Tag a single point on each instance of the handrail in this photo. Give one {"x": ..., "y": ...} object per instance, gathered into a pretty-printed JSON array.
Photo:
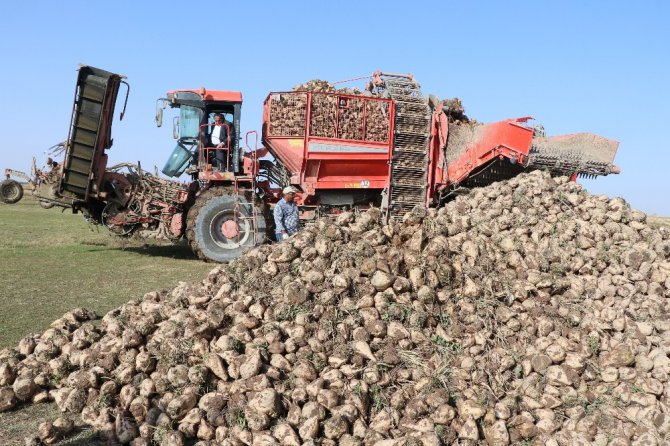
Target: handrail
[{"x": 206, "y": 149}]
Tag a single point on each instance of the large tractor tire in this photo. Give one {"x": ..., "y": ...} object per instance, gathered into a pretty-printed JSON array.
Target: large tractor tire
[
  {"x": 10, "y": 191},
  {"x": 213, "y": 231}
]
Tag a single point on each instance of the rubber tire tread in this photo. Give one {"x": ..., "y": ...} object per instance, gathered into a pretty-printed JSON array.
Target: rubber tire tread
[
  {"x": 201, "y": 201},
  {"x": 13, "y": 198}
]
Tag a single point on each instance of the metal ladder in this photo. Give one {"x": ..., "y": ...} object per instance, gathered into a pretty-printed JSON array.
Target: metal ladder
[
  {"x": 251, "y": 208},
  {"x": 409, "y": 168}
]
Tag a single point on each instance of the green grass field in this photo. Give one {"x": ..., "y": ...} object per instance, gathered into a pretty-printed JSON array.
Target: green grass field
[{"x": 53, "y": 261}]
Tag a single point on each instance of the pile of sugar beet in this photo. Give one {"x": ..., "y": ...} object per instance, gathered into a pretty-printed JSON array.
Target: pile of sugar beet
[{"x": 528, "y": 312}]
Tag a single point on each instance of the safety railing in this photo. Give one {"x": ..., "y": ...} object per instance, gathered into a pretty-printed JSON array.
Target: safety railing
[
  {"x": 329, "y": 115},
  {"x": 208, "y": 153}
]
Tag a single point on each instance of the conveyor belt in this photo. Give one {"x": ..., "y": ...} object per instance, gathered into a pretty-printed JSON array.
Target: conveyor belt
[
  {"x": 410, "y": 144},
  {"x": 91, "y": 122}
]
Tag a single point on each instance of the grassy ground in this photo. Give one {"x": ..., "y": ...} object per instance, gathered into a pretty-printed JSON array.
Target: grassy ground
[{"x": 52, "y": 262}]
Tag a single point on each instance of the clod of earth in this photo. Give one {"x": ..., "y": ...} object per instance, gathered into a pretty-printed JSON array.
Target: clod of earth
[{"x": 527, "y": 312}]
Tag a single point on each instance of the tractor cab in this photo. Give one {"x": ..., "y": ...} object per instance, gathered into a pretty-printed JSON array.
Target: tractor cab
[{"x": 207, "y": 131}]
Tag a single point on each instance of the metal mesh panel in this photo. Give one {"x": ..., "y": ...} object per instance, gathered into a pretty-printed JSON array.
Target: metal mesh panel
[
  {"x": 331, "y": 116},
  {"x": 287, "y": 114},
  {"x": 377, "y": 122},
  {"x": 324, "y": 109},
  {"x": 350, "y": 125}
]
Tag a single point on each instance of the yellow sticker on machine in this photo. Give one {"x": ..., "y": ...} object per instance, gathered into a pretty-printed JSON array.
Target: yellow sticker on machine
[
  {"x": 296, "y": 142},
  {"x": 364, "y": 184}
]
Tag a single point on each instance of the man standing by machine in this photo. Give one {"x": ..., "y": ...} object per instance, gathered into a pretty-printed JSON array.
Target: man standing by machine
[
  {"x": 287, "y": 222},
  {"x": 218, "y": 138}
]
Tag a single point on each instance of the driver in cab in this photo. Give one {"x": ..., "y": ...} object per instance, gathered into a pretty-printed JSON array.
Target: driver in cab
[{"x": 218, "y": 137}]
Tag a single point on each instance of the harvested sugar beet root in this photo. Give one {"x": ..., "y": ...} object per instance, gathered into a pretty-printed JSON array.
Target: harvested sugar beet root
[{"x": 526, "y": 311}]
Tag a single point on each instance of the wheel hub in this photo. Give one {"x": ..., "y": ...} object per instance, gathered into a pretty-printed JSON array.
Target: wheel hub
[
  {"x": 230, "y": 229},
  {"x": 9, "y": 191},
  {"x": 229, "y": 232}
]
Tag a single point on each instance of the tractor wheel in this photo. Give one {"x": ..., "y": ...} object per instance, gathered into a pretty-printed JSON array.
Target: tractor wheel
[
  {"x": 10, "y": 191},
  {"x": 213, "y": 230}
]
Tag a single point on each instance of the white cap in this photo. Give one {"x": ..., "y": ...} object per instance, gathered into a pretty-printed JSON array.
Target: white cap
[{"x": 289, "y": 190}]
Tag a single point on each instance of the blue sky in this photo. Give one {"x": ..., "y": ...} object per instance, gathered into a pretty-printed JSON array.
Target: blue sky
[{"x": 600, "y": 67}]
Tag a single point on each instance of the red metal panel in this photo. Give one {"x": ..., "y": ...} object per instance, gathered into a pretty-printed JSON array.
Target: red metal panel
[
  {"x": 213, "y": 95},
  {"x": 350, "y": 183},
  {"x": 437, "y": 173},
  {"x": 343, "y": 170},
  {"x": 290, "y": 151},
  {"x": 308, "y": 115},
  {"x": 507, "y": 138},
  {"x": 351, "y": 158}
]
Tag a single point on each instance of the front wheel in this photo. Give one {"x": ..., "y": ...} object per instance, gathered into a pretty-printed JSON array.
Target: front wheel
[
  {"x": 10, "y": 191},
  {"x": 221, "y": 225}
]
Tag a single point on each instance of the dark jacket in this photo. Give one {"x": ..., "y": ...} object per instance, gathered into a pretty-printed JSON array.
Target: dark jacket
[{"x": 224, "y": 133}]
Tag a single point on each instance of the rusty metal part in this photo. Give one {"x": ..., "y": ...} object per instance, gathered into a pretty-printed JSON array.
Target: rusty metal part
[
  {"x": 44, "y": 182},
  {"x": 15, "y": 173},
  {"x": 142, "y": 203}
]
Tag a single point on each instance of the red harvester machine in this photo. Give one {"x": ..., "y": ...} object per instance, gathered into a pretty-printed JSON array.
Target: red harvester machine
[{"x": 390, "y": 147}]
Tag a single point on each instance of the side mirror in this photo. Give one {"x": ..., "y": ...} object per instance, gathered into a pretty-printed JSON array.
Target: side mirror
[
  {"x": 159, "y": 117},
  {"x": 160, "y": 106},
  {"x": 175, "y": 127}
]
